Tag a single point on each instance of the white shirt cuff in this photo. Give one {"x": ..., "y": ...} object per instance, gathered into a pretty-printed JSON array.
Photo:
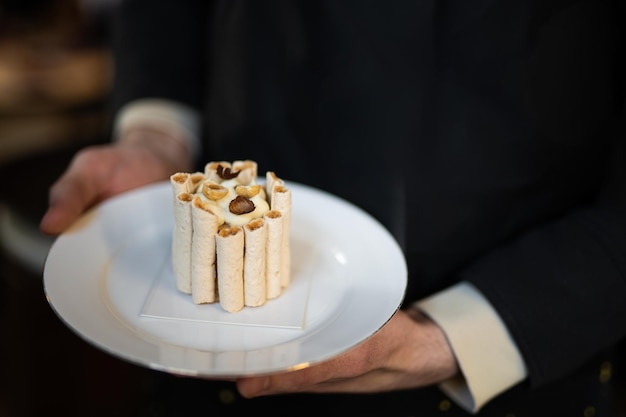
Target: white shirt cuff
[
  {"x": 161, "y": 114},
  {"x": 488, "y": 358}
]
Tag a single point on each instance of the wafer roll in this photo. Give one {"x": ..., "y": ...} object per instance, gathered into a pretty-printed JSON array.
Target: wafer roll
[
  {"x": 181, "y": 242},
  {"x": 180, "y": 183},
  {"x": 210, "y": 170},
  {"x": 185, "y": 182},
  {"x": 203, "y": 272},
  {"x": 245, "y": 164},
  {"x": 281, "y": 201},
  {"x": 247, "y": 170},
  {"x": 255, "y": 287},
  {"x": 195, "y": 179},
  {"x": 230, "y": 247},
  {"x": 273, "y": 248},
  {"x": 271, "y": 180}
]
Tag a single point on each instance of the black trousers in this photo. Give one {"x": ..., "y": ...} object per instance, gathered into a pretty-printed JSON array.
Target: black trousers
[{"x": 591, "y": 392}]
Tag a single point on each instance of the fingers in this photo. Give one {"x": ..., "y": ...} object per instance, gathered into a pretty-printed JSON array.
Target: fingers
[
  {"x": 405, "y": 353},
  {"x": 100, "y": 172},
  {"x": 83, "y": 184},
  {"x": 69, "y": 197},
  {"x": 342, "y": 374},
  {"x": 301, "y": 381},
  {"x": 254, "y": 387}
]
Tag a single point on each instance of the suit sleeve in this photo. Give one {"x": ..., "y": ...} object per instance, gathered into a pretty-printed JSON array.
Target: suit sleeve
[{"x": 561, "y": 288}]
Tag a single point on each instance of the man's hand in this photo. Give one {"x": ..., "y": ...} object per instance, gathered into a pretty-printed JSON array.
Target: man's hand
[
  {"x": 100, "y": 172},
  {"x": 410, "y": 351}
]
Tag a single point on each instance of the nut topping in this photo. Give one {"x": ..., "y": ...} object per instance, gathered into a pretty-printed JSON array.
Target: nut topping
[
  {"x": 248, "y": 191},
  {"x": 213, "y": 191},
  {"x": 241, "y": 205},
  {"x": 226, "y": 173}
]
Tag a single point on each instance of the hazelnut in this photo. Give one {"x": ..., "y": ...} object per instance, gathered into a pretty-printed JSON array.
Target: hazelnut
[
  {"x": 248, "y": 191},
  {"x": 241, "y": 205},
  {"x": 213, "y": 191}
]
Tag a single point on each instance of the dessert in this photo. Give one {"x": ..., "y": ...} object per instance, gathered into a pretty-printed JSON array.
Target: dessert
[{"x": 230, "y": 242}]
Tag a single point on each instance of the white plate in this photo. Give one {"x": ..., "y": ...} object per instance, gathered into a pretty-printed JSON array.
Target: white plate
[{"x": 109, "y": 279}]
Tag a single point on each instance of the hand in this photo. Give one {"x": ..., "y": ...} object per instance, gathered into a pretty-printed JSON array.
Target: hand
[
  {"x": 410, "y": 351},
  {"x": 100, "y": 172}
]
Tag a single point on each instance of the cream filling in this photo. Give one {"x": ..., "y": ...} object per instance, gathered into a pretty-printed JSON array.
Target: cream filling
[{"x": 221, "y": 210}]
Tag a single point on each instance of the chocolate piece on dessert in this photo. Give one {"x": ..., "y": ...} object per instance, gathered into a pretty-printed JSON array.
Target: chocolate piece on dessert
[{"x": 241, "y": 205}]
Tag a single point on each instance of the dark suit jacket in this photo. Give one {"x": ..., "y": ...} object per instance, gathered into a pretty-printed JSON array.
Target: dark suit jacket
[{"x": 486, "y": 135}]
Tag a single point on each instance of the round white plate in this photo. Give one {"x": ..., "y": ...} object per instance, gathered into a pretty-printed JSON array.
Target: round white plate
[{"x": 109, "y": 279}]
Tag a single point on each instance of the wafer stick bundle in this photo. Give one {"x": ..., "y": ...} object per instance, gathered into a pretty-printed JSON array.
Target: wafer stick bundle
[{"x": 230, "y": 242}]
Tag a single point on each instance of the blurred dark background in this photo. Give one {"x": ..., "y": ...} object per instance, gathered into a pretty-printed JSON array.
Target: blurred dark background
[{"x": 55, "y": 75}]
